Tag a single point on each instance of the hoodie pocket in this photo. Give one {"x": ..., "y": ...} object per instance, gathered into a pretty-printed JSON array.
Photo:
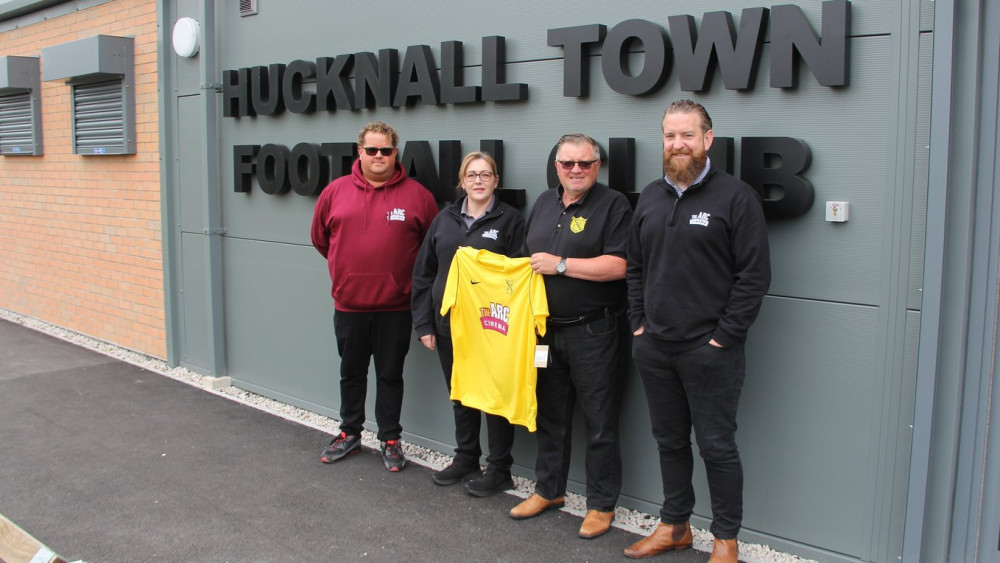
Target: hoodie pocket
[{"x": 369, "y": 291}]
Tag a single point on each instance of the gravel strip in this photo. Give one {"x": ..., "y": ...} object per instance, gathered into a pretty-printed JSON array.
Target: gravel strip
[{"x": 626, "y": 519}]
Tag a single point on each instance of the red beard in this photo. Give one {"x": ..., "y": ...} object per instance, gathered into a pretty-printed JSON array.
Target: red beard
[{"x": 683, "y": 173}]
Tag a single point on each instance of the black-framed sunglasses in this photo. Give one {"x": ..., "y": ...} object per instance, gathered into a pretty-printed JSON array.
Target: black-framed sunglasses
[
  {"x": 568, "y": 165},
  {"x": 372, "y": 151}
]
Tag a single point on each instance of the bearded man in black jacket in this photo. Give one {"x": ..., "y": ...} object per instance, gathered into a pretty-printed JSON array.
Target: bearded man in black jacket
[{"x": 698, "y": 269}]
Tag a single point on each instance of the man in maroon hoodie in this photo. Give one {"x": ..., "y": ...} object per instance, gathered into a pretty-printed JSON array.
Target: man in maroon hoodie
[{"x": 369, "y": 226}]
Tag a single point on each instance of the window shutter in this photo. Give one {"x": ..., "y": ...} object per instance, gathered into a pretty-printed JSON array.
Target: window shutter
[
  {"x": 16, "y": 124},
  {"x": 99, "y": 118}
]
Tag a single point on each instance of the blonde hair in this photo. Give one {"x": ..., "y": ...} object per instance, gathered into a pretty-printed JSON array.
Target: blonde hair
[
  {"x": 380, "y": 128},
  {"x": 475, "y": 155}
]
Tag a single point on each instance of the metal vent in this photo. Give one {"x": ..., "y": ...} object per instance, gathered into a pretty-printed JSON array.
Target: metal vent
[
  {"x": 248, "y": 8},
  {"x": 16, "y": 125},
  {"x": 99, "y": 118}
]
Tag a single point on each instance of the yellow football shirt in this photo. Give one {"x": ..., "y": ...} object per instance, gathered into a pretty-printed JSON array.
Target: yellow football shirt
[{"x": 497, "y": 305}]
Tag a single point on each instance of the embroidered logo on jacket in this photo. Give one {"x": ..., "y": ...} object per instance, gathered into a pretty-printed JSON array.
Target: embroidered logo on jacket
[
  {"x": 700, "y": 219},
  {"x": 492, "y": 233},
  {"x": 396, "y": 214},
  {"x": 495, "y": 317},
  {"x": 577, "y": 224}
]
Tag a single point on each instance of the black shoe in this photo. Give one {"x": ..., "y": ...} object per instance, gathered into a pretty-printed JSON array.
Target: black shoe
[
  {"x": 490, "y": 483},
  {"x": 339, "y": 447},
  {"x": 455, "y": 473},
  {"x": 392, "y": 455}
]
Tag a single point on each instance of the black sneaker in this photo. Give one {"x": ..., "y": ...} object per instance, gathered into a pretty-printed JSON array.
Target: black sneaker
[
  {"x": 339, "y": 447},
  {"x": 392, "y": 455},
  {"x": 455, "y": 473},
  {"x": 490, "y": 483}
]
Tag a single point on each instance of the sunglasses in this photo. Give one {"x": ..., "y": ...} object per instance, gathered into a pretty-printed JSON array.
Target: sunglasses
[
  {"x": 372, "y": 151},
  {"x": 568, "y": 165}
]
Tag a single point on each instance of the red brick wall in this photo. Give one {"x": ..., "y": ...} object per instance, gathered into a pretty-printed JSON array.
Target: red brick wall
[{"x": 80, "y": 236}]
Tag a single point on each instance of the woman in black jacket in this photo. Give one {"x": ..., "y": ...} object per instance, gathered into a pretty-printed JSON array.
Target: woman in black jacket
[{"x": 479, "y": 220}]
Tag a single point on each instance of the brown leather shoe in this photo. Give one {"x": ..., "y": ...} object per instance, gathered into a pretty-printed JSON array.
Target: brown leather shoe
[
  {"x": 724, "y": 551},
  {"x": 535, "y": 505},
  {"x": 596, "y": 523},
  {"x": 664, "y": 538}
]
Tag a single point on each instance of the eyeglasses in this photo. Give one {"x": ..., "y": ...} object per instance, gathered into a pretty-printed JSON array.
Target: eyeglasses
[
  {"x": 568, "y": 165},
  {"x": 386, "y": 151},
  {"x": 484, "y": 176}
]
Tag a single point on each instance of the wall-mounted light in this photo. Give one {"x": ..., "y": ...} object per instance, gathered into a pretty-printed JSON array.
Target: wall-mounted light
[{"x": 185, "y": 38}]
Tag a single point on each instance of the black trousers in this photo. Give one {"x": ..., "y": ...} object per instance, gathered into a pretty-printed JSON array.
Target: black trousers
[
  {"x": 583, "y": 366},
  {"x": 468, "y": 423},
  {"x": 697, "y": 388},
  {"x": 384, "y": 336}
]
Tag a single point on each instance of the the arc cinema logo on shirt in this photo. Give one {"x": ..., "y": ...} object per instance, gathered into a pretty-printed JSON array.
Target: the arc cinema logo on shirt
[
  {"x": 495, "y": 317},
  {"x": 492, "y": 233},
  {"x": 396, "y": 214},
  {"x": 700, "y": 219}
]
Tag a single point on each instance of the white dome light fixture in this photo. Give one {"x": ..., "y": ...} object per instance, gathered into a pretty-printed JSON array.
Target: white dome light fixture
[{"x": 185, "y": 39}]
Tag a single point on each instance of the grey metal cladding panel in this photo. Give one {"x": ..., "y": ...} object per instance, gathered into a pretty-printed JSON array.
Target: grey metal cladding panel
[
  {"x": 18, "y": 73},
  {"x": 921, "y": 163},
  {"x": 904, "y": 437},
  {"x": 314, "y": 28},
  {"x": 97, "y": 55},
  {"x": 846, "y": 130},
  {"x": 806, "y": 422},
  {"x": 187, "y": 70},
  {"x": 279, "y": 320},
  {"x": 926, "y": 15},
  {"x": 194, "y": 294},
  {"x": 190, "y": 185},
  {"x": 279, "y": 331}
]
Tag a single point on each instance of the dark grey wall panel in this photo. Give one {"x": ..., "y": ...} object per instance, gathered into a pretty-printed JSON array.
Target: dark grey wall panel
[
  {"x": 194, "y": 304},
  {"x": 824, "y": 418},
  {"x": 186, "y": 79},
  {"x": 806, "y": 421},
  {"x": 188, "y": 165},
  {"x": 812, "y": 258}
]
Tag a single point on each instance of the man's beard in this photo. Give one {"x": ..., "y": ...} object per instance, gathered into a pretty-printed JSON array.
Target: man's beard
[{"x": 684, "y": 173}]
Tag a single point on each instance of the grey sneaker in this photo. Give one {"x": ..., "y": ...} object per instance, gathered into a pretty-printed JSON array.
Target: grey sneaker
[
  {"x": 392, "y": 455},
  {"x": 339, "y": 447}
]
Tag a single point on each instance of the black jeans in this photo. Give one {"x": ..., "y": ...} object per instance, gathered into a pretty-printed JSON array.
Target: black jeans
[
  {"x": 361, "y": 336},
  {"x": 468, "y": 423},
  {"x": 584, "y": 366},
  {"x": 699, "y": 388}
]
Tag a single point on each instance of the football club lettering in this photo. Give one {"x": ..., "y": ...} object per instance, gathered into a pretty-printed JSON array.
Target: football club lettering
[{"x": 495, "y": 317}]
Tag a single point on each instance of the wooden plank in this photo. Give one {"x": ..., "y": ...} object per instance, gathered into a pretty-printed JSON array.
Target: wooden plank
[{"x": 18, "y": 546}]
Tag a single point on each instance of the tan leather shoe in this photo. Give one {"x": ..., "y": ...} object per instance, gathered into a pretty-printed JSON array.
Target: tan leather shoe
[
  {"x": 596, "y": 523},
  {"x": 664, "y": 538},
  {"x": 724, "y": 551},
  {"x": 535, "y": 505}
]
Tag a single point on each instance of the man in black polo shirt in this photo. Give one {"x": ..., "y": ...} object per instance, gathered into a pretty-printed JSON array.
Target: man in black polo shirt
[{"x": 577, "y": 236}]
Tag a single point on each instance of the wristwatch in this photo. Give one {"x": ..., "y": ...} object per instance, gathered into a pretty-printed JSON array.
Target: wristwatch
[{"x": 561, "y": 267}]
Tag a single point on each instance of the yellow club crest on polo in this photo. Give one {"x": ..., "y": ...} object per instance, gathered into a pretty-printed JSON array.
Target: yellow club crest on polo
[{"x": 577, "y": 224}]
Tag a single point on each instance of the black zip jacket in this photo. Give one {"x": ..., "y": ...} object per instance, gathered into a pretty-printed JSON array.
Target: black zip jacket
[
  {"x": 699, "y": 264},
  {"x": 500, "y": 230}
]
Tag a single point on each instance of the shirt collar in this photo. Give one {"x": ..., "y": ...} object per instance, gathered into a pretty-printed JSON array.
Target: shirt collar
[
  {"x": 465, "y": 206},
  {"x": 708, "y": 164}
]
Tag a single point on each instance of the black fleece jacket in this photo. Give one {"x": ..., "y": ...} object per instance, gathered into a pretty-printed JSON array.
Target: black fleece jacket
[
  {"x": 500, "y": 230},
  {"x": 699, "y": 264}
]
